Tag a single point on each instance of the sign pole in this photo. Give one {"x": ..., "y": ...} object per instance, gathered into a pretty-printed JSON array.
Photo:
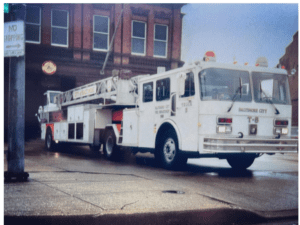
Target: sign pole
[{"x": 16, "y": 109}]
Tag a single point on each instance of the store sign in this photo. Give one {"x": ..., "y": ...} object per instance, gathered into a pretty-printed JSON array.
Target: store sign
[
  {"x": 14, "y": 39},
  {"x": 85, "y": 92},
  {"x": 49, "y": 67}
]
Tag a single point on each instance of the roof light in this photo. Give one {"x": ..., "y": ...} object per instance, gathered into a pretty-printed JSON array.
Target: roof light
[
  {"x": 209, "y": 56},
  {"x": 261, "y": 61}
]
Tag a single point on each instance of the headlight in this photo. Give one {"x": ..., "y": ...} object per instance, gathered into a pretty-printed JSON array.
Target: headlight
[
  {"x": 284, "y": 131},
  {"x": 224, "y": 129},
  {"x": 279, "y": 130}
]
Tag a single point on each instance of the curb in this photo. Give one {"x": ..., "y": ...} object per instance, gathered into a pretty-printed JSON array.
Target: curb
[{"x": 211, "y": 217}]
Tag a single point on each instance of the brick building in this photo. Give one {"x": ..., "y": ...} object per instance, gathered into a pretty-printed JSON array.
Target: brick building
[
  {"x": 290, "y": 61},
  {"x": 76, "y": 37}
]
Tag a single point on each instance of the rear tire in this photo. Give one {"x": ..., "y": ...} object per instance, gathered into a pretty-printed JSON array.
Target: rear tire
[
  {"x": 110, "y": 148},
  {"x": 168, "y": 153},
  {"x": 241, "y": 161},
  {"x": 49, "y": 143}
]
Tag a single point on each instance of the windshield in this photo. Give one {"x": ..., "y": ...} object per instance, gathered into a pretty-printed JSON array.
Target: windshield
[
  {"x": 224, "y": 85},
  {"x": 270, "y": 87}
]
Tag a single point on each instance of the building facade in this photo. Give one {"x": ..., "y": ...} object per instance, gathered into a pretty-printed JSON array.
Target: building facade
[
  {"x": 290, "y": 61},
  {"x": 77, "y": 37}
]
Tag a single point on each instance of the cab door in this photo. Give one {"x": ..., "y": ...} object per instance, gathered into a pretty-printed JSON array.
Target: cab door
[
  {"x": 163, "y": 101},
  {"x": 186, "y": 114},
  {"x": 146, "y": 115}
]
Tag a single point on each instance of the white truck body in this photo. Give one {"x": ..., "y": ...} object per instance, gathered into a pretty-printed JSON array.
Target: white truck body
[{"x": 210, "y": 110}]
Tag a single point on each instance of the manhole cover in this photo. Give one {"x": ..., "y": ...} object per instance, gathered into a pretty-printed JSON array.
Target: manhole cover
[{"x": 173, "y": 192}]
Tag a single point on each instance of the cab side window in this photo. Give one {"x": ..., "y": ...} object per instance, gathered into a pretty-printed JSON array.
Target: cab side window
[
  {"x": 189, "y": 85},
  {"x": 163, "y": 89},
  {"x": 148, "y": 92}
]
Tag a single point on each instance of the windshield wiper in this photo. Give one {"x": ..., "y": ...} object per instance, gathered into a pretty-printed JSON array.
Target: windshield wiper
[
  {"x": 268, "y": 100},
  {"x": 239, "y": 89}
]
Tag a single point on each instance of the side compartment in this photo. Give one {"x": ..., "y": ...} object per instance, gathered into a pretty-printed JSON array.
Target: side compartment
[{"x": 130, "y": 128}]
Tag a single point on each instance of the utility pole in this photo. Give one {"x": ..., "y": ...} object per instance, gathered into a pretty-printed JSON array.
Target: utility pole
[{"x": 16, "y": 106}]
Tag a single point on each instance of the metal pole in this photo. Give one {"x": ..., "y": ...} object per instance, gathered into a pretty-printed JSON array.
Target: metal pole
[
  {"x": 16, "y": 109},
  {"x": 110, "y": 46}
]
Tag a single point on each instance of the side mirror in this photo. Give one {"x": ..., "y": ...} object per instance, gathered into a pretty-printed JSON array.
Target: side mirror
[{"x": 181, "y": 83}]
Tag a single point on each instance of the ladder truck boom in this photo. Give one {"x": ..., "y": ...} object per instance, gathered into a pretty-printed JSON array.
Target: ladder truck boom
[{"x": 118, "y": 91}]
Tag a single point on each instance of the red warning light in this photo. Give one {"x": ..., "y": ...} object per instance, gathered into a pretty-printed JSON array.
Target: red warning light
[
  {"x": 210, "y": 54},
  {"x": 283, "y": 67}
]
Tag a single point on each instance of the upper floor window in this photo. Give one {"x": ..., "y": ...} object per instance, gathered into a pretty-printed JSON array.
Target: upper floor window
[
  {"x": 33, "y": 24},
  {"x": 138, "y": 38},
  {"x": 101, "y": 33},
  {"x": 160, "y": 40},
  {"x": 60, "y": 27},
  {"x": 163, "y": 89}
]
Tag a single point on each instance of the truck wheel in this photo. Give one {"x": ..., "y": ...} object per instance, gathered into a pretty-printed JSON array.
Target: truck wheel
[
  {"x": 49, "y": 144},
  {"x": 241, "y": 161},
  {"x": 169, "y": 154},
  {"x": 110, "y": 148}
]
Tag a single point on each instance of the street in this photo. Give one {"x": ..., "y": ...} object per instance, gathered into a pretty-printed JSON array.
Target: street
[{"x": 269, "y": 188}]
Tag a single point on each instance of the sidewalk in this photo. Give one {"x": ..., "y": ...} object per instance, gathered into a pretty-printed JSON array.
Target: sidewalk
[{"x": 53, "y": 195}]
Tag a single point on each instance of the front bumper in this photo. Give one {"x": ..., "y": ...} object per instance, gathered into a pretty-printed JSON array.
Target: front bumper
[{"x": 217, "y": 144}]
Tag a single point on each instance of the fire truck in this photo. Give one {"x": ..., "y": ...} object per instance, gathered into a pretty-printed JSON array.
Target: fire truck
[{"x": 204, "y": 109}]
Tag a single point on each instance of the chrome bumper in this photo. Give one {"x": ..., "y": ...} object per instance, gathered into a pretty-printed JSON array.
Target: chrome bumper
[{"x": 250, "y": 144}]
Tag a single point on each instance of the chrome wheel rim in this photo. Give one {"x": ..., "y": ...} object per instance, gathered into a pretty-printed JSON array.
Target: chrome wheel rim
[{"x": 169, "y": 150}]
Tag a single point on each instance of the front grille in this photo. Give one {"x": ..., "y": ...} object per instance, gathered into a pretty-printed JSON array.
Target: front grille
[{"x": 216, "y": 144}]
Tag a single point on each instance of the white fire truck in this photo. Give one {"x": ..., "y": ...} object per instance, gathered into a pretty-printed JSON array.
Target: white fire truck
[{"x": 205, "y": 109}]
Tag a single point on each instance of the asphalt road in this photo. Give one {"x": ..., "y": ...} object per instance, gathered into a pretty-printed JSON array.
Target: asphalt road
[{"x": 269, "y": 187}]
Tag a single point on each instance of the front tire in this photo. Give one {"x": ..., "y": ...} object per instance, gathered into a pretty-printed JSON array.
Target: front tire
[
  {"x": 110, "y": 148},
  {"x": 168, "y": 152},
  {"x": 241, "y": 161}
]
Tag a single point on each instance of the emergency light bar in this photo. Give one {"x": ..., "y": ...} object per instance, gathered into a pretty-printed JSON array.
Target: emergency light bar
[
  {"x": 261, "y": 61},
  {"x": 209, "y": 56}
]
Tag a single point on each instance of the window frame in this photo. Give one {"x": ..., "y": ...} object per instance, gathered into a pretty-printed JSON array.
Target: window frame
[
  {"x": 60, "y": 45},
  {"x": 98, "y": 32},
  {"x": 40, "y": 22},
  {"x": 134, "y": 37},
  {"x": 151, "y": 82},
  {"x": 158, "y": 40},
  {"x": 158, "y": 86},
  {"x": 190, "y": 85}
]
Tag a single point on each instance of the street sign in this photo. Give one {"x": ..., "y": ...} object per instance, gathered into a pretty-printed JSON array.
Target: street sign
[{"x": 14, "y": 39}]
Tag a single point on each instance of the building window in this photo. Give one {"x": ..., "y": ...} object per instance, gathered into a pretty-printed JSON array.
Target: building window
[
  {"x": 148, "y": 92},
  {"x": 60, "y": 27},
  {"x": 138, "y": 38},
  {"x": 160, "y": 40},
  {"x": 101, "y": 33},
  {"x": 33, "y": 24},
  {"x": 163, "y": 89}
]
